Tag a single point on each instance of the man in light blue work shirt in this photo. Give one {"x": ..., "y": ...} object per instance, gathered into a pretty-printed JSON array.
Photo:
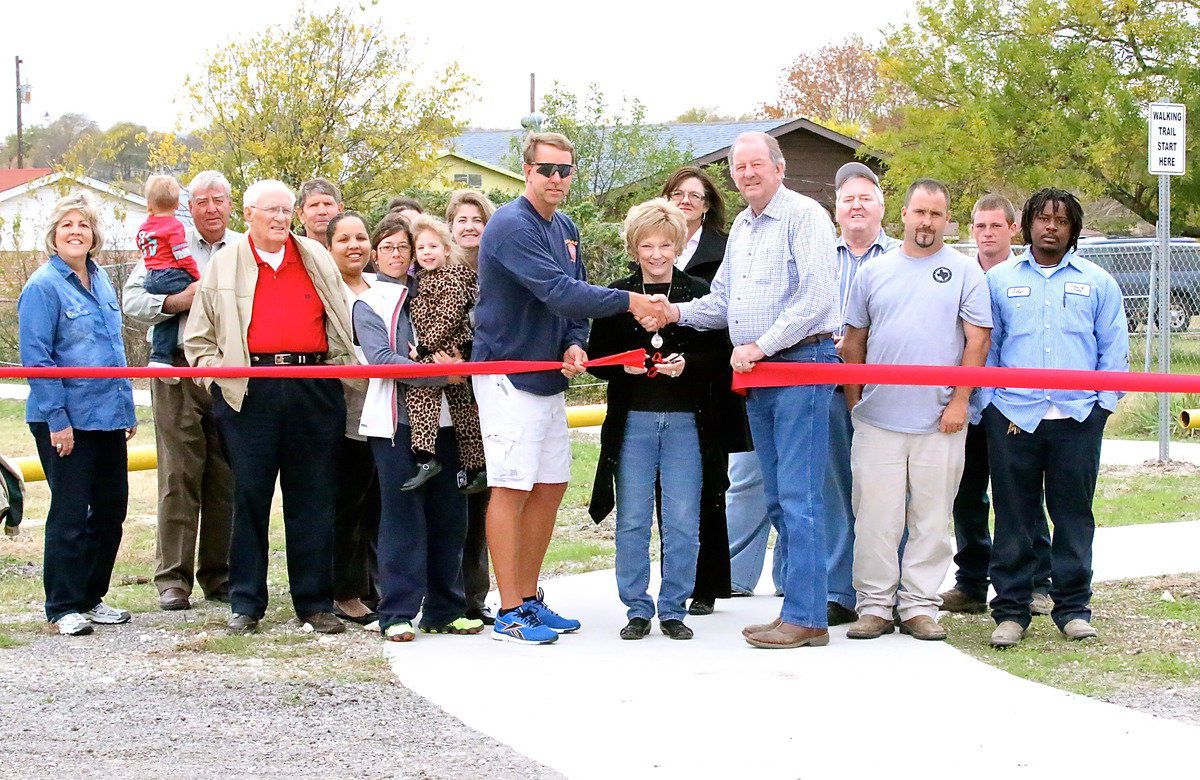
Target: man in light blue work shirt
[{"x": 1052, "y": 309}]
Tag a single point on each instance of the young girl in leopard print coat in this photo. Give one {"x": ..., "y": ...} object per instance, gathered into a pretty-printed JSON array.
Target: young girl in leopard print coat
[{"x": 446, "y": 293}]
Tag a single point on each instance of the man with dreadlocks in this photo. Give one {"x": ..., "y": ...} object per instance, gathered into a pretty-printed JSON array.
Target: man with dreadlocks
[{"x": 1051, "y": 308}]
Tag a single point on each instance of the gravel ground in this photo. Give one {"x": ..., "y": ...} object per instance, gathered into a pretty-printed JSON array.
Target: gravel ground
[{"x": 135, "y": 700}]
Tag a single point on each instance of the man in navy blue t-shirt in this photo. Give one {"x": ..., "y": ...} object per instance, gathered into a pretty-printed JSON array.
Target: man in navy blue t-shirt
[{"x": 534, "y": 304}]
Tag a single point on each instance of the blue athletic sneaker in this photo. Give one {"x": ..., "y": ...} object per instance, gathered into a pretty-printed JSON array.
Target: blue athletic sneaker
[
  {"x": 550, "y": 618},
  {"x": 523, "y": 626}
]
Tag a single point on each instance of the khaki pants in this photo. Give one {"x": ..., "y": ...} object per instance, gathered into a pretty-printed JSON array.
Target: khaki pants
[
  {"x": 195, "y": 490},
  {"x": 903, "y": 480}
]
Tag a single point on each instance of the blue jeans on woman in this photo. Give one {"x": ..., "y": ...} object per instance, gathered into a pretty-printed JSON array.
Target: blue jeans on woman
[{"x": 666, "y": 446}]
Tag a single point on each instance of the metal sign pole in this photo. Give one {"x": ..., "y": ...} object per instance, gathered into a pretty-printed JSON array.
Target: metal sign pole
[{"x": 1163, "y": 233}]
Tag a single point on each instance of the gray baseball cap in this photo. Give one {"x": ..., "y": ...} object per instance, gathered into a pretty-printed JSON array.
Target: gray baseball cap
[{"x": 853, "y": 170}]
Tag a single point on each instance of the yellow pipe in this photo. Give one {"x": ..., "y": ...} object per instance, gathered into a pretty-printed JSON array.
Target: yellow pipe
[
  {"x": 1190, "y": 418},
  {"x": 145, "y": 457}
]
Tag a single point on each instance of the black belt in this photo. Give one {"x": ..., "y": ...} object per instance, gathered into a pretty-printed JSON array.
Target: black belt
[
  {"x": 813, "y": 339},
  {"x": 287, "y": 358}
]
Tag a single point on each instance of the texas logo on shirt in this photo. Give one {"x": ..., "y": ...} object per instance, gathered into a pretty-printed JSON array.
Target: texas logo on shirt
[{"x": 571, "y": 249}]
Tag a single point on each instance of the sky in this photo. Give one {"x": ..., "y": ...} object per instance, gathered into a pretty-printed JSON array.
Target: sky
[{"x": 127, "y": 61}]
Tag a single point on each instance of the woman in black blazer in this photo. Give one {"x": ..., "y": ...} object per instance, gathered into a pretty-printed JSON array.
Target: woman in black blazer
[{"x": 691, "y": 189}]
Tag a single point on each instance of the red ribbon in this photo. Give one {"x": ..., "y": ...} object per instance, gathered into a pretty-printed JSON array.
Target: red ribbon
[
  {"x": 784, "y": 374},
  {"x": 636, "y": 357}
]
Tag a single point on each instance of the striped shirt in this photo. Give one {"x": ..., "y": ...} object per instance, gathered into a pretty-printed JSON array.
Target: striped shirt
[
  {"x": 778, "y": 283},
  {"x": 1072, "y": 319},
  {"x": 848, "y": 264}
]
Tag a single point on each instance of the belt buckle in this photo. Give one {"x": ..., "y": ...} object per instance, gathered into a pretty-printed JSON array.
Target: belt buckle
[{"x": 280, "y": 359}]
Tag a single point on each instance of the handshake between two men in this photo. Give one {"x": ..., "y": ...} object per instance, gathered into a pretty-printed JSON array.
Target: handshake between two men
[{"x": 655, "y": 312}]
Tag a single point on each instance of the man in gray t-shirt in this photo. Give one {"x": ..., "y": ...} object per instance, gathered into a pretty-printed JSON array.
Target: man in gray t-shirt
[{"x": 920, "y": 304}]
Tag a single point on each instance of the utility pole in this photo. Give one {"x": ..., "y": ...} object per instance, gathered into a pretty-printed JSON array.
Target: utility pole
[
  {"x": 20, "y": 100},
  {"x": 532, "y": 93},
  {"x": 533, "y": 122}
]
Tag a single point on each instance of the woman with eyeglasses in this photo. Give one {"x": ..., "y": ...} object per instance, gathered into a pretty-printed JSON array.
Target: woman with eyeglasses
[
  {"x": 421, "y": 531},
  {"x": 691, "y": 189}
]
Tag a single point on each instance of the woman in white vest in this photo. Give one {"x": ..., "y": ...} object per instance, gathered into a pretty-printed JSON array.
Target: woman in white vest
[{"x": 421, "y": 532}]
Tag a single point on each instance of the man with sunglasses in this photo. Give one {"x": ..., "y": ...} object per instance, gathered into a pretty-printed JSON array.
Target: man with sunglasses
[{"x": 534, "y": 304}]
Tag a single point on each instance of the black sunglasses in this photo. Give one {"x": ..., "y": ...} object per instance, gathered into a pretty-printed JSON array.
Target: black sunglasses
[{"x": 548, "y": 169}]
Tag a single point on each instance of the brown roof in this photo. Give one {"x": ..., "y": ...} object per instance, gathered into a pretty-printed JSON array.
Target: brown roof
[{"x": 15, "y": 177}]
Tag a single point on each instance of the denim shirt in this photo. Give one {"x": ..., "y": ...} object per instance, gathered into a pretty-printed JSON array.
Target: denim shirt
[
  {"x": 64, "y": 324},
  {"x": 1075, "y": 319}
]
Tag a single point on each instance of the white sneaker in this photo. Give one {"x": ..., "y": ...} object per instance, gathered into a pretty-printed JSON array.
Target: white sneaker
[
  {"x": 73, "y": 624},
  {"x": 167, "y": 380},
  {"x": 102, "y": 613}
]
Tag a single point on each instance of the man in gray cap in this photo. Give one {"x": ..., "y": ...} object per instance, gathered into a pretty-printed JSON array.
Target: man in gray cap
[{"x": 859, "y": 214}]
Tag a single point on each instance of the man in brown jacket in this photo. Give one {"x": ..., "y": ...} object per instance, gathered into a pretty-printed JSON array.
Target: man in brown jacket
[{"x": 275, "y": 299}]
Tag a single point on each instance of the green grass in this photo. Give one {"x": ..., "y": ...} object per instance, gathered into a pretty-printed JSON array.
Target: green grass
[
  {"x": 8, "y": 642},
  {"x": 1145, "y": 643},
  {"x": 1125, "y": 497}
]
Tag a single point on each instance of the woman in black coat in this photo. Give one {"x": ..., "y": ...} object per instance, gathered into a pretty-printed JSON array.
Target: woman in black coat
[
  {"x": 693, "y": 390},
  {"x": 691, "y": 189}
]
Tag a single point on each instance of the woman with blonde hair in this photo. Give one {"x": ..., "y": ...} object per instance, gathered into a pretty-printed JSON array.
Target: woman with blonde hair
[
  {"x": 662, "y": 428},
  {"x": 68, "y": 315}
]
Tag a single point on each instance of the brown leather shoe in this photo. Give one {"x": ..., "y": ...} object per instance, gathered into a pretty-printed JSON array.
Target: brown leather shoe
[
  {"x": 1078, "y": 629},
  {"x": 786, "y": 636},
  {"x": 324, "y": 623},
  {"x": 923, "y": 627},
  {"x": 758, "y": 628},
  {"x": 870, "y": 627},
  {"x": 172, "y": 599},
  {"x": 955, "y": 600}
]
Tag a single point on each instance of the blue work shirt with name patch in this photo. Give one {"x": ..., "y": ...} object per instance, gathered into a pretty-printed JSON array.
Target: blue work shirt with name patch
[
  {"x": 64, "y": 324},
  {"x": 1072, "y": 319},
  {"x": 534, "y": 299}
]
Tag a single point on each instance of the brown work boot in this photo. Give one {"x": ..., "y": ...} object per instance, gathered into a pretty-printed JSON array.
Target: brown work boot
[
  {"x": 870, "y": 627},
  {"x": 1008, "y": 634},
  {"x": 787, "y": 635},
  {"x": 758, "y": 628},
  {"x": 324, "y": 623},
  {"x": 923, "y": 627},
  {"x": 1041, "y": 604},
  {"x": 1078, "y": 629},
  {"x": 955, "y": 600}
]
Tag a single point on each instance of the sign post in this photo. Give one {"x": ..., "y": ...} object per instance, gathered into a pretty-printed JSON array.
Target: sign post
[{"x": 1166, "y": 152}]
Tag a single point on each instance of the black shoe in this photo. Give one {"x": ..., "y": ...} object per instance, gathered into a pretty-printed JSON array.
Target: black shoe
[
  {"x": 675, "y": 629},
  {"x": 702, "y": 606},
  {"x": 484, "y": 614},
  {"x": 425, "y": 472},
  {"x": 241, "y": 624},
  {"x": 839, "y": 615},
  {"x": 637, "y": 628},
  {"x": 364, "y": 620},
  {"x": 472, "y": 482}
]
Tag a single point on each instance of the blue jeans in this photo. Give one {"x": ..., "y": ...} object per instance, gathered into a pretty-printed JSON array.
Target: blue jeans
[
  {"x": 666, "y": 446},
  {"x": 839, "y": 511},
  {"x": 749, "y": 526},
  {"x": 790, "y": 426},
  {"x": 164, "y": 339}
]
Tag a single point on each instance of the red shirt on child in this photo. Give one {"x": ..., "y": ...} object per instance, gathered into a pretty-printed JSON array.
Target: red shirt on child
[{"x": 163, "y": 242}]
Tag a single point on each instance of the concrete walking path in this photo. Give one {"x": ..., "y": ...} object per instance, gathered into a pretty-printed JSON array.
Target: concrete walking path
[{"x": 595, "y": 706}]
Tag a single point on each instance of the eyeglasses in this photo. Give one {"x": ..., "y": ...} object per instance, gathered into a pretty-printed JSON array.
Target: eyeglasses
[
  {"x": 548, "y": 169},
  {"x": 392, "y": 249},
  {"x": 275, "y": 211},
  {"x": 679, "y": 196}
]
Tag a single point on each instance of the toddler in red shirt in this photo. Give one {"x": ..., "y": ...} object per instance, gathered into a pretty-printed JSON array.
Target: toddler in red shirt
[{"x": 169, "y": 264}]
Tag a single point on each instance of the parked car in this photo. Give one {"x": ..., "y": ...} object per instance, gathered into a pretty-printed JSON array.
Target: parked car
[{"x": 1129, "y": 261}]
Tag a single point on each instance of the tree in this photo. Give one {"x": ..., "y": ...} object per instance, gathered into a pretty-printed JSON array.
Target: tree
[
  {"x": 46, "y": 146},
  {"x": 837, "y": 85},
  {"x": 1022, "y": 94},
  {"x": 323, "y": 96},
  {"x": 699, "y": 114}
]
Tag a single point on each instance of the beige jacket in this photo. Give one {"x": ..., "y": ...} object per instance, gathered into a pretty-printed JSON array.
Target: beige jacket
[{"x": 220, "y": 315}]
